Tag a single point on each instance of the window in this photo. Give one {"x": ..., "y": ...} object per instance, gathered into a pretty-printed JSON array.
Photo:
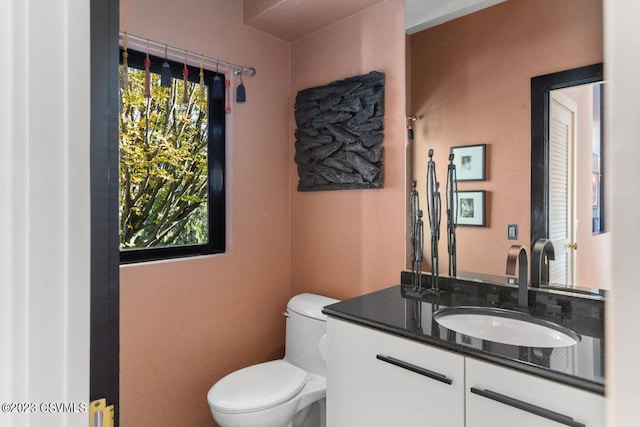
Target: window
[
  {"x": 597, "y": 156},
  {"x": 172, "y": 190}
]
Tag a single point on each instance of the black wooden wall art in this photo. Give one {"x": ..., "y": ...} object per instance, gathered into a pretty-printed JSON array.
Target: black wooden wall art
[{"x": 339, "y": 134}]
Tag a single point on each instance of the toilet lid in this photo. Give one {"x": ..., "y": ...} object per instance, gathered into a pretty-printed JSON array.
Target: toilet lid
[{"x": 257, "y": 387}]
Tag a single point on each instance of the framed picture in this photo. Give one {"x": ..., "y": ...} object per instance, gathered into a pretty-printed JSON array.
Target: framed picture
[
  {"x": 469, "y": 161},
  {"x": 595, "y": 189},
  {"x": 472, "y": 208},
  {"x": 595, "y": 162}
]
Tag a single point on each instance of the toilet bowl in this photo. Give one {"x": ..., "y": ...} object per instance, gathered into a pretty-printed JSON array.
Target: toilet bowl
[{"x": 281, "y": 393}]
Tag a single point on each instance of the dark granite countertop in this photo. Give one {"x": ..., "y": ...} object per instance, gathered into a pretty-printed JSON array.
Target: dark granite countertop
[{"x": 398, "y": 311}]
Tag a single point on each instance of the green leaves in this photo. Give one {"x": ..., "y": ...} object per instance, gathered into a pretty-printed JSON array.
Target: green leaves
[{"x": 163, "y": 165}]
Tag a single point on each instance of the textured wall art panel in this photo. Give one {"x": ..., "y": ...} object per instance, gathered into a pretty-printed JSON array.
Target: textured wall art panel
[{"x": 339, "y": 134}]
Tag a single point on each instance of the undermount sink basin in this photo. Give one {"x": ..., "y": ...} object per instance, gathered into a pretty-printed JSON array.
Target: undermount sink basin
[{"x": 505, "y": 326}]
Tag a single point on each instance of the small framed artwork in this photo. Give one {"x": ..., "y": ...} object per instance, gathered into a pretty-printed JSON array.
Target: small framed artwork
[
  {"x": 595, "y": 189},
  {"x": 472, "y": 208},
  {"x": 470, "y": 162}
]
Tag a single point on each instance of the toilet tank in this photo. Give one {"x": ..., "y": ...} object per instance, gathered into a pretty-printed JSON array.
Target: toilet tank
[{"x": 306, "y": 329}]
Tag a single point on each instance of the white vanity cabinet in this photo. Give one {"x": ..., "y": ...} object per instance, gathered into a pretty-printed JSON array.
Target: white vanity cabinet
[
  {"x": 502, "y": 397},
  {"x": 378, "y": 379}
]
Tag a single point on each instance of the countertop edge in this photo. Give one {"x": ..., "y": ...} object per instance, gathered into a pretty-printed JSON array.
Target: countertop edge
[{"x": 583, "y": 384}]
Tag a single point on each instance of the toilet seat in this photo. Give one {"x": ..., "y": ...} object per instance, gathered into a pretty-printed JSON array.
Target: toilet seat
[{"x": 257, "y": 387}]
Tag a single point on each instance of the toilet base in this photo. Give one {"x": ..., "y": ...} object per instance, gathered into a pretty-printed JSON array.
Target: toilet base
[{"x": 313, "y": 415}]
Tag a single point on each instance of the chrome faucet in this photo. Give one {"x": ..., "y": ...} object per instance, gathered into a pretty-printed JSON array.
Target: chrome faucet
[
  {"x": 542, "y": 248},
  {"x": 518, "y": 253}
]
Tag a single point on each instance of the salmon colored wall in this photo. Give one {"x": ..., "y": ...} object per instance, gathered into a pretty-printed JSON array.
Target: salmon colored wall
[
  {"x": 348, "y": 242},
  {"x": 471, "y": 85},
  {"x": 186, "y": 323}
]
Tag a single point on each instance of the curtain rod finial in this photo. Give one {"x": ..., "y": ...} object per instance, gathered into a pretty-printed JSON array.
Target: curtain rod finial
[{"x": 250, "y": 71}]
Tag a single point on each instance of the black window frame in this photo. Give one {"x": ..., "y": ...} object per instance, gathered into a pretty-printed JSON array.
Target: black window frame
[{"x": 216, "y": 175}]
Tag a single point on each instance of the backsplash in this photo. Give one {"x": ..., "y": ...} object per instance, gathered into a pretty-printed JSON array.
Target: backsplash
[{"x": 543, "y": 302}]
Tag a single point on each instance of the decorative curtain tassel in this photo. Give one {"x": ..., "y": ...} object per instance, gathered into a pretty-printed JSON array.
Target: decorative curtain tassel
[
  {"x": 410, "y": 120},
  {"x": 202, "y": 86},
  {"x": 147, "y": 74},
  {"x": 227, "y": 84},
  {"x": 185, "y": 74},
  {"x": 218, "y": 90},
  {"x": 165, "y": 74},
  {"x": 241, "y": 94},
  {"x": 124, "y": 78}
]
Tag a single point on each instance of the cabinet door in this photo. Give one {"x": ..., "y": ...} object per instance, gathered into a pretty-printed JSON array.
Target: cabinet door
[
  {"x": 377, "y": 379},
  {"x": 502, "y": 397}
]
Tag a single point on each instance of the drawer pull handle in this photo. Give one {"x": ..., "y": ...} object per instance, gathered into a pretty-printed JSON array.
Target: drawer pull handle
[
  {"x": 413, "y": 368},
  {"x": 528, "y": 407}
]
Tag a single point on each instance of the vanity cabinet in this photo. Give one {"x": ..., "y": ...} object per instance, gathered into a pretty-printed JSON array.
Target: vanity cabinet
[
  {"x": 502, "y": 397},
  {"x": 378, "y": 379}
]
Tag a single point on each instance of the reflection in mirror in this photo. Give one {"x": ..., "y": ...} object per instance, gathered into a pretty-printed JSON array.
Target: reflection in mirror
[
  {"x": 566, "y": 151},
  {"x": 470, "y": 84}
]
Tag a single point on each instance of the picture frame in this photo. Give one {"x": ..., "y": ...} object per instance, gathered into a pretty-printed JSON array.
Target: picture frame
[
  {"x": 595, "y": 190},
  {"x": 470, "y": 162},
  {"x": 472, "y": 209}
]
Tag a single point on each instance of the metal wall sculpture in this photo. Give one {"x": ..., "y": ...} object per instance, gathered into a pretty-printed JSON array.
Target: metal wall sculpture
[{"x": 339, "y": 134}]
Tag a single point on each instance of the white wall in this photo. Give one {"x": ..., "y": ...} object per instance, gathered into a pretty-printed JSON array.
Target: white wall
[
  {"x": 44, "y": 208},
  {"x": 622, "y": 69},
  {"x": 422, "y": 14}
]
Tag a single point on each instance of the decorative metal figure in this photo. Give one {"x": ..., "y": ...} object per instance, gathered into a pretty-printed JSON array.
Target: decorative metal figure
[
  {"x": 452, "y": 215},
  {"x": 417, "y": 237},
  {"x": 434, "y": 211}
]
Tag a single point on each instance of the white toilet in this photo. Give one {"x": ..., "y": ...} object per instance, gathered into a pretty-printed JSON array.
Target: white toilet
[{"x": 281, "y": 393}]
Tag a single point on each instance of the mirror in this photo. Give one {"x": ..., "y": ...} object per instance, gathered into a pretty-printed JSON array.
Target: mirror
[
  {"x": 469, "y": 83},
  {"x": 567, "y": 179}
]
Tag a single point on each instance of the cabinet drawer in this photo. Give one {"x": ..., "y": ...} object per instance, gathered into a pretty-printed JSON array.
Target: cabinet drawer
[
  {"x": 378, "y": 379},
  {"x": 498, "y": 396}
]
